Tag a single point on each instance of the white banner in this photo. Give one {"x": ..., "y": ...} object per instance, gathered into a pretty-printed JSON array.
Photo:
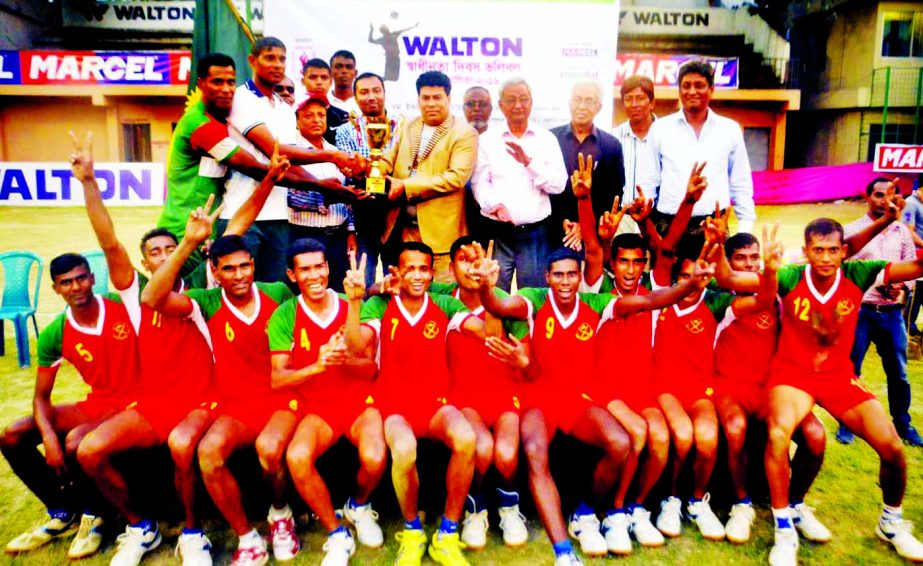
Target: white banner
[
  {"x": 145, "y": 15},
  {"x": 551, "y": 45},
  {"x": 637, "y": 20},
  {"x": 52, "y": 184}
]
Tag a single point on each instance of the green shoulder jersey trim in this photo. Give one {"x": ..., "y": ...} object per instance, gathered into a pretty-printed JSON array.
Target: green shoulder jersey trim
[
  {"x": 209, "y": 300},
  {"x": 537, "y": 296},
  {"x": 449, "y": 305},
  {"x": 718, "y": 303},
  {"x": 440, "y": 288},
  {"x": 277, "y": 291},
  {"x": 51, "y": 342},
  {"x": 789, "y": 276},
  {"x": 374, "y": 308},
  {"x": 281, "y": 326},
  {"x": 863, "y": 272},
  {"x": 596, "y": 301}
]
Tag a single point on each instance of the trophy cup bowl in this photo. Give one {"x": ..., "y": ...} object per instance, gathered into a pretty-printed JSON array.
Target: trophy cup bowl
[{"x": 377, "y": 134}]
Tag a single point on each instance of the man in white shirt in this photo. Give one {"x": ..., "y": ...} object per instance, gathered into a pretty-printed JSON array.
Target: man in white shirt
[
  {"x": 696, "y": 134},
  {"x": 258, "y": 120},
  {"x": 343, "y": 69},
  {"x": 519, "y": 164},
  {"x": 638, "y": 101}
]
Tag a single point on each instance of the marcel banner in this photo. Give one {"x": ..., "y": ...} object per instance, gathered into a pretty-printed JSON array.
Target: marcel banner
[
  {"x": 551, "y": 45},
  {"x": 664, "y": 69},
  {"x": 52, "y": 184},
  {"x": 94, "y": 67}
]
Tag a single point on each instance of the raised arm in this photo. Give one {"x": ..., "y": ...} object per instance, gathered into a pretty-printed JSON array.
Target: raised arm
[
  {"x": 773, "y": 251},
  {"x": 159, "y": 293},
  {"x": 894, "y": 205},
  {"x": 581, "y": 182},
  {"x": 358, "y": 338},
  {"x": 484, "y": 269},
  {"x": 121, "y": 272},
  {"x": 695, "y": 186},
  {"x": 661, "y": 298},
  {"x": 247, "y": 213}
]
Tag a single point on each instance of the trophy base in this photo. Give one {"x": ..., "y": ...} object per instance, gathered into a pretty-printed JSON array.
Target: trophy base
[{"x": 376, "y": 185}]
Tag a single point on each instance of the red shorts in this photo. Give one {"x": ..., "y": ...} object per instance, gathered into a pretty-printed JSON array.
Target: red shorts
[
  {"x": 489, "y": 403},
  {"x": 99, "y": 406},
  {"x": 750, "y": 396},
  {"x": 163, "y": 412},
  {"x": 561, "y": 409},
  {"x": 418, "y": 409},
  {"x": 837, "y": 392},
  {"x": 339, "y": 411},
  {"x": 635, "y": 393},
  {"x": 255, "y": 412},
  {"x": 687, "y": 392}
]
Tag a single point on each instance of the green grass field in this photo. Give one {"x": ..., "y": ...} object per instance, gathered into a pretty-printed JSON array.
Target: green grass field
[{"x": 846, "y": 493}]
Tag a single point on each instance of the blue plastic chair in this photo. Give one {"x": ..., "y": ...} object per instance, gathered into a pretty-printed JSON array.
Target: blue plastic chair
[
  {"x": 17, "y": 305},
  {"x": 100, "y": 270}
]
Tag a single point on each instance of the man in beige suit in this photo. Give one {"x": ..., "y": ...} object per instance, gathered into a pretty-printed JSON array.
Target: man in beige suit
[{"x": 428, "y": 171}]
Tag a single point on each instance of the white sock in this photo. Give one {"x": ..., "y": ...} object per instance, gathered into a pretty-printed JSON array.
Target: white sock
[
  {"x": 889, "y": 513},
  {"x": 250, "y": 540},
  {"x": 783, "y": 518},
  {"x": 278, "y": 514}
]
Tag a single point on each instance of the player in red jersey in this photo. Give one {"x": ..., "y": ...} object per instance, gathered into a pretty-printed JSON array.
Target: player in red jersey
[
  {"x": 409, "y": 332},
  {"x": 485, "y": 379},
  {"x": 744, "y": 348},
  {"x": 820, "y": 309},
  {"x": 309, "y": 359},
  {"x": 96, "y": 335},
  {"x": 627, "y": 394},
  {"x": 173, "y": 403},
  {"x": 562, "y": 324},
  {"x": 250, "y": 411}
]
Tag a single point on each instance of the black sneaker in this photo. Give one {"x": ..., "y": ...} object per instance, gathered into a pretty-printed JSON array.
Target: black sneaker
[{"x": 912, "y": 437}]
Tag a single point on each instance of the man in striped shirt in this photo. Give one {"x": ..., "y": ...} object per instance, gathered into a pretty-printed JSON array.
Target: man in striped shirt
[
  {"x": 308, "y": 215},
  {"x": 638, "y": 100}
]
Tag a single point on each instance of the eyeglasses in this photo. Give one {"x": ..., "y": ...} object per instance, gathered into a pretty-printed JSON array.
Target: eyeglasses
[
  {"x": 577, "y": 101},
  {"x": 522, "y": 100},
  {"x": 477, "y": 104},
  {"x": 283, "y": 88}
]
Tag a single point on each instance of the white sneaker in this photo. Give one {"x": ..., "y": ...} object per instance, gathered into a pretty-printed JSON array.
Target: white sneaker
[
  {"x": 474, "y": 530},
  {"x": 670, "y": 519},
  {"x": 704, "y": 518},
  {"x": 60, "y": 524},
  {"x": 365, "y": 519},
  {"x": 808, "y": 525},
  {"x": 195, "y": 549},
  {"x": 513, "y": 525},
  {"x": 569, "y": 559},
  {"x": 89, "y": 537},
  {"x": 615, "y": 531},
  {"x": 900, "y": 535},
  {"x": 645, "y": 532},
  {"x": 338, "y": 548},
  {"x": 134, "y": 543},
  {"x": 285, "y": 543},
  {"x": 738, "y": 525},
  {"x": 585, "y": 528},
  {"x": 785, "y": 548},
  {"x": 251, "y": 555}
]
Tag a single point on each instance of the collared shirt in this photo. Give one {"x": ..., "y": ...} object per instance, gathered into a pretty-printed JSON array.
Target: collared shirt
[
  {"x": 323, "y": 216},
  {"x": 608, "y": 173},
  {"x": 499, "y": 179},
  {"x": 634, "y": 151},
  {"x": 675, "y": 148},
  {"x": 349, "y": 105},
  {"x": 250, "y": 109},
  {"x": 353, "y": 138},
  {"x": 913, "y": 213},
  {"x": 894, "y": 243}
]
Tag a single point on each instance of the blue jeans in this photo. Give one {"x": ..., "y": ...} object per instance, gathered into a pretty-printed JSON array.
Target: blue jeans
[
  {"x": 268, "y": 242},
  {"x": 519, "y": 250},
  {"x": 889, "y": 334}
]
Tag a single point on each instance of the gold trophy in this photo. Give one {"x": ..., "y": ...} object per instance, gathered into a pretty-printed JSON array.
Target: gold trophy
[{"x": 378, "y": 134}]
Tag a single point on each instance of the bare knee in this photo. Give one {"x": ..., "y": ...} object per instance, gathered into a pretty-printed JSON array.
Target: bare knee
[
  {"x": 637, "y": 431},
  {"x": 373, "y": 456},
  {"x": 618, "y": 442},
  {"x": 506, "y": 455},
  {"x": 462, "y": 439},
  {"x": 211, "y": 454},
  {"x": 92, "y": 453},
  {"x": 779, "y": 438},
  {"x": 682, "y": 438},
  {"x": 658, "y": 442},
  {"x": 735, "y": 428},
  {"x": 706, "y": 441},
  {"x": 182, "y": 446},
  {"x": 815, "y": 436},
  {"x": 270, "y": 449},
  {"x": 404, "y": 452},
  {"x": 891, "y": 451},
  {"x": 13, "y": 435},
  {"x": 536, "y": 455}
]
